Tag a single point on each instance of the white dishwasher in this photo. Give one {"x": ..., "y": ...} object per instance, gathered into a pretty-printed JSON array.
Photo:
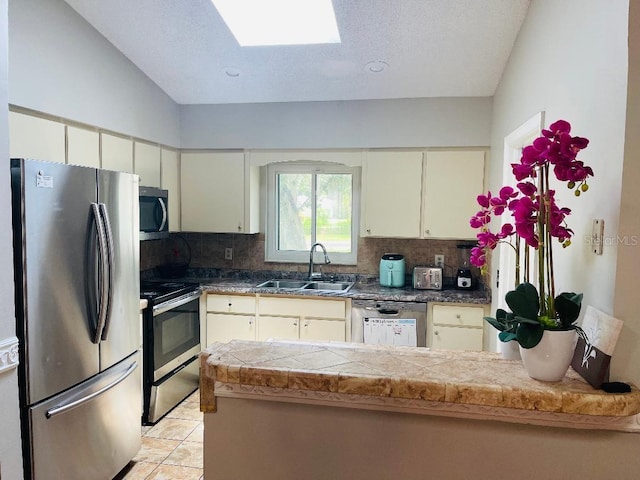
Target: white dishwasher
[{"x": 389, "y": 323}]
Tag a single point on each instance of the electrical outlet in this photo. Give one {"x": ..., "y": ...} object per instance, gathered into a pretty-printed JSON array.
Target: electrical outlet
[
  {"x": 439, "y": 261},
  {"x": 228, "y": 253}
]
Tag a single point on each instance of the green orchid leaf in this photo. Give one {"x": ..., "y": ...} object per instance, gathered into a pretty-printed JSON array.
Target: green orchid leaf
[
  {"x": 507, "y": 336},
  {"x": 529, "y": 334},
  {"x": 495, "y": 323},
  {"x": 524, "y": 301},
  {"x": 568, "y": 308}
]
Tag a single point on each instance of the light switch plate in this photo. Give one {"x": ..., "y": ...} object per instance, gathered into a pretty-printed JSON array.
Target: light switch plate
[{"x": 597, "y": 236}]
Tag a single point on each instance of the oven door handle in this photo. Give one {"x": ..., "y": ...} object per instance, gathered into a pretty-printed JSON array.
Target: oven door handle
[{"x": 176, "y": 302}]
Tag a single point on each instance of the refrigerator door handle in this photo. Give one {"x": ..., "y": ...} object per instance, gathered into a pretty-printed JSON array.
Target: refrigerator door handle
[
  {"x": 164, "y": 214},
  {"x": 110, "y": 262},
  {"x": 59, "y": 409},
  {"x": 103, "y": 269}
]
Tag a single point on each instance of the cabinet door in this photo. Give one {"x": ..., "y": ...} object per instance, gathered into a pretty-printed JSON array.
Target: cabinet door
[
  {"x": 222, "y": 327},
  {"x": 117, "y": 153},
  {"x": 281, "y": 328},
  {"x": 456, "y": 338},
  {"x": 453, "y": 180},
  {"x": 170, "y": 180},
  {"x": 83, "y": 147},
  {"x": 34, "y": 137},
  {"x": 322, "y": 330},
  {"x": 213, "y": 194},
  {"x": 391, "y": 194},
  {"x": 146, "y": 159}
]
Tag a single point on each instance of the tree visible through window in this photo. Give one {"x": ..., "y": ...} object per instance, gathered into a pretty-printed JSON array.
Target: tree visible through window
[{"x": 312, "y": 204}]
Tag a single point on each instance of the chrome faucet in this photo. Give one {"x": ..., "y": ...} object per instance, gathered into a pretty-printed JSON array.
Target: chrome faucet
[{"x": 313, "y": 274}]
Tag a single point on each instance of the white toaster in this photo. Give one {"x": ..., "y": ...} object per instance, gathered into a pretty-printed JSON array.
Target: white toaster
[{"x": 427, "y": 278}]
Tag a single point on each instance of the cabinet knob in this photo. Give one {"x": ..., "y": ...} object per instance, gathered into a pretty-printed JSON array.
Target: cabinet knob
[
  {"x": 427, "y": 232},
  {"x": 306, "y": 324},
  {"x": 435, "y": 333},
  {"x": 251, "y": 321},
  {"x": 295, "y": 324},
  {"x": 458, "y": 316},
  {"x": 368, "y": 230}
]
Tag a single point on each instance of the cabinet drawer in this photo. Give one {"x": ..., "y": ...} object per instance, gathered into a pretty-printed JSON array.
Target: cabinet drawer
[
  {"x": 231, "y": 303},
  {"x": 303, "y": 307},
  {"x": 458, "y": 316}
]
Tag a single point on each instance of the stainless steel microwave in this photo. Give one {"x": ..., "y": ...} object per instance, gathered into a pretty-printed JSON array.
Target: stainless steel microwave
[{"x": 154, "y": 213}]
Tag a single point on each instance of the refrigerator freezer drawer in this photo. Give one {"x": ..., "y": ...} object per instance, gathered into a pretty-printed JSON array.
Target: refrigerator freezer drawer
[{"x": 90, "y": 431}]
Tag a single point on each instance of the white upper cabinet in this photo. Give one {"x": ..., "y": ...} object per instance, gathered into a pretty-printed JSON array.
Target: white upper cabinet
[
  {"x": 83, "y": 147},
  {"x": 219, "y": 193},
  {"x": 452, "y": 181},
  {"x": 117, "y": 153},
  {"x": 146, "y": 159},
  {"x": 35, "y": 137},
  {"x": 391, "y": 194},
  {"x": 407, "y": 196},
  {"x": 170, "y": 180}
]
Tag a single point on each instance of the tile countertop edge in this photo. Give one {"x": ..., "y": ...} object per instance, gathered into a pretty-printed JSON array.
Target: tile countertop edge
[
  {"x": 358, "y": 292},
  {"x": 459, "y": 384}
]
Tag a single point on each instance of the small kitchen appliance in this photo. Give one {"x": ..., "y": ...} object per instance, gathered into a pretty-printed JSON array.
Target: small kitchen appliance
[
  {"x": 427, "y": 278},
  {"x": 463, "y": 276},
  {"x": 392, "y": 268}
]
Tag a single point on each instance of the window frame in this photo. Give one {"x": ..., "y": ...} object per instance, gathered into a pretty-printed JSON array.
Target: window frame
[{"x": 272, "y": 254}]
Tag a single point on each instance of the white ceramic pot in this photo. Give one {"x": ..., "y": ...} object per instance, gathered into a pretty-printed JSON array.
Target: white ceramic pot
[
  {"x": 550, "y": 359},
  {"x": 510, "y": 350}
]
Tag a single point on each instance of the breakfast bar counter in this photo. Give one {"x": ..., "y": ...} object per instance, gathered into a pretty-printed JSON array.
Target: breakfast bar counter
[{"x": 300, "y": 400}]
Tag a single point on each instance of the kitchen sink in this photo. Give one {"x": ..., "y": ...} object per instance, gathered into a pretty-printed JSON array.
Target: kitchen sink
[
  {"x": 333, "y": 286},
  {"x": 284, "y": 284},
  {"x": 319, "y": 286}
]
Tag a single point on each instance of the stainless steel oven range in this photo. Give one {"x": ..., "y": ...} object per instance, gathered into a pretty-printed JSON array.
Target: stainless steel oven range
[{"x": 170, "y": 345}]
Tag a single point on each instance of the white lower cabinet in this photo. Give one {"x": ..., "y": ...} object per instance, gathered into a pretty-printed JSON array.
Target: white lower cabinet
[
  {"x": 456, "y": 327},
  {"x": 322, "y": 330},
  {"x": 230, "y": 317},
  {"x": 321, "y": 319},
  {"x": 252, "y": 317}
]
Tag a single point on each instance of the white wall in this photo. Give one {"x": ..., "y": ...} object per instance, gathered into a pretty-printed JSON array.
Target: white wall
[
  {"x": 60, "y": 65},
  {"x": 423, "y": 122},
  {"x": 627, "y": 300},
  {"x": 570, "y": 61},
  {"x": 10, "y": 450}
]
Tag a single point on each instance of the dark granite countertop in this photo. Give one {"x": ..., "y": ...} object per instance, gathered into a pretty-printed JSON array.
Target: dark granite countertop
[{"x": 365, "y": 288}]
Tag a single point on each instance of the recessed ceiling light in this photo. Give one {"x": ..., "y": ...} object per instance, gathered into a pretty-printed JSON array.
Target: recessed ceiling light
[
  {"x": 232, "y": 72},
  {"x": 376, "y": 66},
  {"x": 280, "y": 22}
]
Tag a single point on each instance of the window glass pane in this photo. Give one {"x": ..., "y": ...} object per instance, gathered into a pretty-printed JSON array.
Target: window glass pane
[
  {"x": 333, "y": 215},
  {"x": 294, "y": 211}
]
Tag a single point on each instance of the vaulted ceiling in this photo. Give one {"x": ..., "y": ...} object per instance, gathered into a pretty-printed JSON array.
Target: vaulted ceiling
[{"x": 431, "y": 48}]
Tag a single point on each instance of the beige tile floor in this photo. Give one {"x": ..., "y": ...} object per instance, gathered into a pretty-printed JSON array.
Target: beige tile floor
[{"x": 172, "y": 448}]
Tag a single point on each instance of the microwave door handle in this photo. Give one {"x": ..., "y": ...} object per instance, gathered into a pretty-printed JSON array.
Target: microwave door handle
[
  {"x": 102, "y": 267},
  {"x": 109, "y": 273},
  {"x": 164, "y": 214}
]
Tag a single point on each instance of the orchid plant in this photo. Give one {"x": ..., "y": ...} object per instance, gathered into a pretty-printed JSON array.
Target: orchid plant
[{"x": 537, "y": 221}]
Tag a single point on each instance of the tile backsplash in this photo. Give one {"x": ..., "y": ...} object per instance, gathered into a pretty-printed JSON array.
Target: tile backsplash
[{"x": 207, "y": 250}]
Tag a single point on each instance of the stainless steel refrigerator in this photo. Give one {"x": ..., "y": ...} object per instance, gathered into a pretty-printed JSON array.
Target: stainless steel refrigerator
[{"x": 76, "y": 259}]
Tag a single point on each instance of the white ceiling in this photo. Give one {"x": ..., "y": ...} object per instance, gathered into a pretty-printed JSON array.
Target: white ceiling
[{"x": 433, "y": 48}]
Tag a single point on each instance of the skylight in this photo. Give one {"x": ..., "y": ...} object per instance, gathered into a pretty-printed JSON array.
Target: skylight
[{"x": 280, "y": 22}]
